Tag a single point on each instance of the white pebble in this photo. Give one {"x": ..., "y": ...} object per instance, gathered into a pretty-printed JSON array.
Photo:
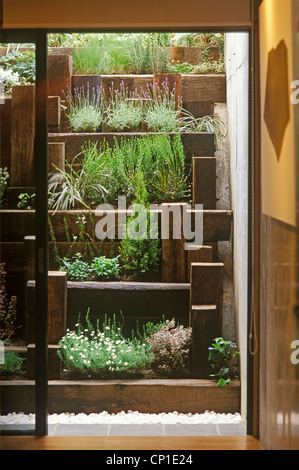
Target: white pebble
[{"x": 126, "y": 417}]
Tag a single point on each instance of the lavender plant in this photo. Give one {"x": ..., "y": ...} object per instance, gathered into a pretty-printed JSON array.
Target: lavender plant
[
  {"x": 162, "y": 109},
  {"x": 84, "y": 109},
  {"x": 124, "y": 109}
]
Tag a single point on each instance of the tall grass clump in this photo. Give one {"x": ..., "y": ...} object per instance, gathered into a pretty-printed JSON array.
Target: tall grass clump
[
  {"x": 77, "y": 188},
  {"x": 121, "y": 54}
]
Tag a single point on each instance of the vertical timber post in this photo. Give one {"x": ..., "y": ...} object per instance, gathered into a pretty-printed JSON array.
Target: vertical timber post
[{"x": 41, "y": 217}]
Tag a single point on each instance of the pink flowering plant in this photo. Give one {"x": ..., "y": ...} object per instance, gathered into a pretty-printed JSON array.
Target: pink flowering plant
[{"x": 170, "y": 346}]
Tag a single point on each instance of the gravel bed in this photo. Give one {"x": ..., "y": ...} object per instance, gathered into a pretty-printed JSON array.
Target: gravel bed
[{"x": 130, "y": 417}]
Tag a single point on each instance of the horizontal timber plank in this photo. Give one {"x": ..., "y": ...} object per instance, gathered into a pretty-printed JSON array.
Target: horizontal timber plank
[
  {"x": 130, "y": 286},
  {"x": 196, "y": 144},
  {"x": 16, "y": 224},
  {"x": 210, "y": 87},
  {"x": 145, "y": 396}
]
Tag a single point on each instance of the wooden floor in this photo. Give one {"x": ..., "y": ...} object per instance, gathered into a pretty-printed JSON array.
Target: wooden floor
[{"x": 130, "y": 443}]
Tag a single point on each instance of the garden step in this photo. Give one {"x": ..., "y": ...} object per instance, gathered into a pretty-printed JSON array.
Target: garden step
[
  {"x": 138, "y": 301},
  {"x": 114, "y": 396}
]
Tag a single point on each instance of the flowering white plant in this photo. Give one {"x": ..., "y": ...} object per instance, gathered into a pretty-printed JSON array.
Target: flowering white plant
[
  {"x": 102, "y": 353},
  {"x": 8, "y": 79}
]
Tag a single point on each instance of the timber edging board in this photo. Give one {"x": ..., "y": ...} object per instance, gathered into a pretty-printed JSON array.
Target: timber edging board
[
  {"x": 200, "y": 144},
  {"x": 113, "y": 396},
  {"x": 16, "y": 224}
]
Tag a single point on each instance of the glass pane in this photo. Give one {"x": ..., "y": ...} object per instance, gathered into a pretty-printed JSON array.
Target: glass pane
[
  {"x": 128, "y": 114},
  {"x": 17, "y": 215}
]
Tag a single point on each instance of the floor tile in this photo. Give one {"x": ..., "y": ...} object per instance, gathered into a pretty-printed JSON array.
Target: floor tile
[
  {"x": 136, "y": 430},
  {"x": 190, "y": 430},
  {"x": 232, "y": 429},
  {"x": 80, "y": 430}
]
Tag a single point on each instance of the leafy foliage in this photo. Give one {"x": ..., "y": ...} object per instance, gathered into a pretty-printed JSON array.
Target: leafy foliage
[
  {"x": 22, "y": 63},
  {"x": 12, "y": 363},
  {"x": 105, "y": 353},
  {"x": 105, "y": 268},
  {"x": 221, "y": 356},
  {"x": 123, "y": 110},
  {"x": 213, "y": 124},
  {"x": 76, "y": 268},
  {"x": 160, "y": 159}
]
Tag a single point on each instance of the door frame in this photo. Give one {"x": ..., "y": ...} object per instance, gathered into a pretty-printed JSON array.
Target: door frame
[{"x": 39, "y": 38}]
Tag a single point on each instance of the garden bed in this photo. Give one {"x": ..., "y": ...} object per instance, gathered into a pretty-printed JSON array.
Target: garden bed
[{"x": 195, "y": 144}]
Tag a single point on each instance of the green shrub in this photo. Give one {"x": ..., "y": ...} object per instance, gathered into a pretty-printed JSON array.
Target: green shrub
[
  {"x": 160, "y": 158},
  {"x": 100, "y": 268},
  {"x": 105, "y": 268},
  {"x": 12, "y": 363},
  {"x": 140, "y": 251},
  {"x": 76, "y": 268}
]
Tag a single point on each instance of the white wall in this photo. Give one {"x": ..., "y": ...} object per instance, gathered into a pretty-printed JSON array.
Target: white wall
[{"x": 237, "y": 69}]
